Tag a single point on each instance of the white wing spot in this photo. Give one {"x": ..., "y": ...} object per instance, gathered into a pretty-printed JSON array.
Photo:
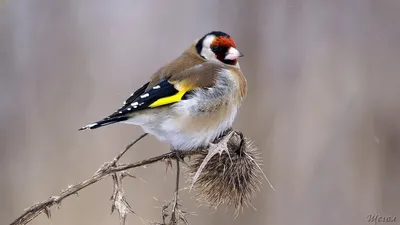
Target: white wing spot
[
  {"x": 91, "y": 125},
  {"x": 129, "y": 109},
  {"x": 120, "y": 112},
  {"x": 135, "y": 103},
  {"x": 145, "y": 95},
  {"x": 156, "y": 87},
  {"x": 141, "y": 103},
  {"x": 135, "y": 106}
]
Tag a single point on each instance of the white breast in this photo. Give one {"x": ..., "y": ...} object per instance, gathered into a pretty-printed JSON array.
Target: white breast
[{"x": 188, "y": 131}]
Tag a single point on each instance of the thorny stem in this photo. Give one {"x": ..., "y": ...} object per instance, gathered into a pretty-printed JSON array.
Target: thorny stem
[
  {"x": 118, "y": 199},
  {"x": 169, "y": 155},
  {"x": 174, "y": 219}
]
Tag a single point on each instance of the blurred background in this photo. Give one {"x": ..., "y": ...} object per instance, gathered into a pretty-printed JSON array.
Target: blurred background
[{"x": 323, "y": 104}]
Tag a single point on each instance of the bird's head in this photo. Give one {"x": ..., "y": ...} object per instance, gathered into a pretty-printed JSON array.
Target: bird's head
[{"x": 219, "y": 46}]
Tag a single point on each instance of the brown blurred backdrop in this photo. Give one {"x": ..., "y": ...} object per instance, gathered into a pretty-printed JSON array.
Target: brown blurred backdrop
[{"x": 323, "y": 103}]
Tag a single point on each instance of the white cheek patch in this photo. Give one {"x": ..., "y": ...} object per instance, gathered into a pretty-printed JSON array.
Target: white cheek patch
[{"x": 206, "y": 50}]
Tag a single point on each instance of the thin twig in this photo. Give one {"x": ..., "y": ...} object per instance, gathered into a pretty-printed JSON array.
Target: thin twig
[
  {"x": 169, "y": 155},
  {"x": 129, "y": 146}
]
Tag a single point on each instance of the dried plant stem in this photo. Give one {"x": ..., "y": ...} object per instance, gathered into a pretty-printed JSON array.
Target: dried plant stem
[
  {"x": 169, "y": 155},
  {"x": 118, "y": 199},
  {"x": 129, "y": 146},
  {"x": 108, "y": 168},
  {"x": 174, "y": 219}
]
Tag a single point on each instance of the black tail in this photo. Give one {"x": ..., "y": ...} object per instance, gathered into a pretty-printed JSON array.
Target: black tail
[{"x": 104, "y": 122}]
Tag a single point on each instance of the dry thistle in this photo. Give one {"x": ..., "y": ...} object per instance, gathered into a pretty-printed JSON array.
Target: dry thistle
[{"x": 230, "y": 179}]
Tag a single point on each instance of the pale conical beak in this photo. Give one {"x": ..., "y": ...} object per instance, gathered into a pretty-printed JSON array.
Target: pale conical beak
[{"x": 233, "y": 54}]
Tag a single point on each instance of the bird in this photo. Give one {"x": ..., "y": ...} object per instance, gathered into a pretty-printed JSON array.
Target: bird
[{"x": 190, "y": 101}]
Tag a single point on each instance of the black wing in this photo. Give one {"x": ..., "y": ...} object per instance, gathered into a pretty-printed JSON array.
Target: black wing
[
  {"x": 146, "y": 98},
  {"x": 139, "y": 100}
]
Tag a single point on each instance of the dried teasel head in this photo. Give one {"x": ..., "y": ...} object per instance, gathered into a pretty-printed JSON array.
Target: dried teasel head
[{"x": 228, "y": 179}]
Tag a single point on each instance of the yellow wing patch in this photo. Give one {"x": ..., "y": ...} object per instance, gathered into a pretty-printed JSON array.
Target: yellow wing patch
[
  {"x": 168, "y": 100},
  {"x": 183, "y": 87}
]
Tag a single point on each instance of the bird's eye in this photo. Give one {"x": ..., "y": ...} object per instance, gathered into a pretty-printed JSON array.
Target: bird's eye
[{"x": 215, "y": 48}]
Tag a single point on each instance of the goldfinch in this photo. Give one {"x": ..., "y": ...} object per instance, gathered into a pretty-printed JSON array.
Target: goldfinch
[{"x": 191, "y": 101}]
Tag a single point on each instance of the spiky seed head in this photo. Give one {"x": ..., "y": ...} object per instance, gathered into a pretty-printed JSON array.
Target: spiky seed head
[{"x": 228, "y": 179}]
